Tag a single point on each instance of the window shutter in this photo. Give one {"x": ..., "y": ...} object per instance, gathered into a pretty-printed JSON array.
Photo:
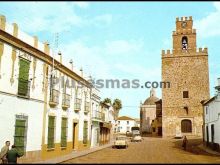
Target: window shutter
[
  {"x": 85, "y": 132},
  {"x": 51, "y": 125},
  {"x": 19, "y": 137},
  {"x": 23, "y": 76},
  {"x": 64, "y": 132}
]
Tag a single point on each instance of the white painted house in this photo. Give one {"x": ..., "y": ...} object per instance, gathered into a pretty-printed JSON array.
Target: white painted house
[
  {"x": 212, "y": 120},
  {"x": 42, "y": 118},
  {"x": 96, "y": 117},
  {"x": 124, "y": 124}
]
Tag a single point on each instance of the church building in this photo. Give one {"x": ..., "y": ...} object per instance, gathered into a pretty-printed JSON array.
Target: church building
[{"x": 148, "y": 113}]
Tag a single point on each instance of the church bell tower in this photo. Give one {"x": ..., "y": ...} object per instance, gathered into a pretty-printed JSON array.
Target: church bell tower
[{"x": 186, "y": 69}]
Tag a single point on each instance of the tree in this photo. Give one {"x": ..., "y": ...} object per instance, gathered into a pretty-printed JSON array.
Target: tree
[
  {"x": 107, "y": 100},
  {"x": 117, "y": 105}
]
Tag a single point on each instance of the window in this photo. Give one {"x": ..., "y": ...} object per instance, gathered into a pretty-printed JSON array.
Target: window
[
  {"x": 66, "y": 100},
  {"x": 186, "y": 126},
  {"x": 127, "y": 122},
  {"x": 51, "y": 132},
  {"x": 54, "y": 94},
  {"x": 85, "y": 132},
  {"x": 20, "y": 133},
  {"x": 128, "y": 129},
  {"x": 77, "y": 104},
  {"x": 23, "y": 79},
  {"x": 118, "y": 122},
  {"x": 206, "y": 110},
  {"x": 185, "y": 94},
  {"x": 87, "y": 106},
  {"x": 64, "y": 132}
]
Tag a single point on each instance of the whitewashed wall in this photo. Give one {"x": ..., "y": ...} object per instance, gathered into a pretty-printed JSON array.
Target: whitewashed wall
[
  {"x": 11, "y": 106},
  {"x": 213, "y": 117},
  {"x": 123, "y": 125},
  {"x": 33, "y": 108}
]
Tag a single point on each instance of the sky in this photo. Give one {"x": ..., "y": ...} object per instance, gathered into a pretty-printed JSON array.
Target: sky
[{"x": 119, "y": 40}]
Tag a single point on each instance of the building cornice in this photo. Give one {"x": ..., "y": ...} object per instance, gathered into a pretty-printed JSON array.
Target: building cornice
[{"x": 22, "y": 46}]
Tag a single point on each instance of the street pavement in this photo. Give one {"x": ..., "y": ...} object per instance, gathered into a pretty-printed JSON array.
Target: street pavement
[{"x": 151, "y": 150}]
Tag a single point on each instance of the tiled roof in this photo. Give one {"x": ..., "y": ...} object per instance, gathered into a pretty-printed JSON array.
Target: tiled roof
[{"x": 125, "y": 118}]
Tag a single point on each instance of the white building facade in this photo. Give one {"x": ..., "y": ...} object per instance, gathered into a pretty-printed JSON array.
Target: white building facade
[
  {"x": 212, "y": 120},
  {"x": 124, "y": 124},
  {"x": 96, "y": 117},
  {"x": 42, "y": 116}
]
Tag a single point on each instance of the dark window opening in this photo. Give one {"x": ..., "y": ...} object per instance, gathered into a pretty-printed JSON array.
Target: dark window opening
[{"x": 185, "y": 94}]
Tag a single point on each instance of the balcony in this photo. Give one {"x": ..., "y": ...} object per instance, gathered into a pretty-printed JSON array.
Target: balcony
[
  {"x": 103, "y": 117},
  {"x": 87, "y": 107},
  {"x": 77, "y": 105},
  {"x": 66, "y": 101},
  {"x": 96, "y": 115},
  {"x": 24, "y": 88},
  {"x": 54, "y": 97}
]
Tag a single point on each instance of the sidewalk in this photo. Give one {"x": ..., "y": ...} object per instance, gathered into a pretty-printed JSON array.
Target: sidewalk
[
  {"x": 74, "y": 154},
  {"x": 208, "y": 150}
]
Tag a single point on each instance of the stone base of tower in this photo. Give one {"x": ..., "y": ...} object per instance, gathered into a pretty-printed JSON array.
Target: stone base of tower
[{"x": 173, "y": 126}]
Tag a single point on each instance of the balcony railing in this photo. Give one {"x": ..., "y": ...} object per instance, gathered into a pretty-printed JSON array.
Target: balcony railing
[
  {"x": 24, "y": 88},
  {"x": 77, "y": 105},
  {"x": 97, "y": 115},
  {"x": 103, "y": 117},
  {"x": 87, "y": 107},
  {"x": 66, "y": 101},
  {"x": 54, "y": 97}
]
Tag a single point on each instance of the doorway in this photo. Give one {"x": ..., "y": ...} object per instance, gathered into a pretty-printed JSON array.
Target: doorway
[
  {"x": 74, "y": 134},
  {"x": 212, "y": 133},
  {"x": 159, "y": 131},
  {"x": 207, "y": 135}
]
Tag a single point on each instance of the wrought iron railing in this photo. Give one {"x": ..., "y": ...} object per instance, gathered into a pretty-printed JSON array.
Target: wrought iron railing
[
  {"x": 66, "y": 100},
  {"x": 97, "y": 115},
  {"x": 54, "y": 96},
  {"x": 77, "y": 104},
  {"x": 87, "y": 107}
]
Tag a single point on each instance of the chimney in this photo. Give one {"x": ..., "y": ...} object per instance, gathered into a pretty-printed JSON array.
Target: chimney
[
  {"x": 71, "y": 64},
  {"x": 81, "y": 71},
  {"x": 60, "y": 54}
]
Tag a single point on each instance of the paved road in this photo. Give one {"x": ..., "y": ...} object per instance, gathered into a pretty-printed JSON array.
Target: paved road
[{"x": 151, "y": 150}]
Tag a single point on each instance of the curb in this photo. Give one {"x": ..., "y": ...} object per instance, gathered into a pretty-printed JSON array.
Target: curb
[
  {"x": 74, "y": 154},
  {"x": 201, "y": 146}
]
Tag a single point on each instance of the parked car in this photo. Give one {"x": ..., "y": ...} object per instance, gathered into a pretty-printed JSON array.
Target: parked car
[
  {"x": 136, "y": 138},
  {"x": 121, "y": 142}
]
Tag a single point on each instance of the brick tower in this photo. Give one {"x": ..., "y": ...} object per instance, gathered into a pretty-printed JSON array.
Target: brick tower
[{"x": 186, "y": 68}]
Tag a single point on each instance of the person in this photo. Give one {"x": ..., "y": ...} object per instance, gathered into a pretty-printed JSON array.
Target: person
[
  {"x": 185, "y": 141},
  {"x": 12, "y": 155},
  {"x": 4, "y": 152}
]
